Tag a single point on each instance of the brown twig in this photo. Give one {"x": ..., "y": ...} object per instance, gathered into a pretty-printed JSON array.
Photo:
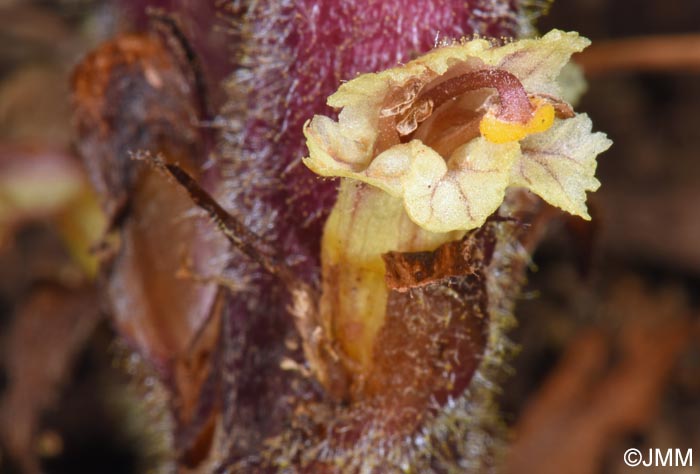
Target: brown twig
[{"x": 650, "y": 53}]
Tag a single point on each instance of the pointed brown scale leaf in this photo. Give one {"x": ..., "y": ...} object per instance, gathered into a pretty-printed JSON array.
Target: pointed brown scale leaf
[
  {"x": 170, "y": 318},
  {"x": 132, "y": 94}
]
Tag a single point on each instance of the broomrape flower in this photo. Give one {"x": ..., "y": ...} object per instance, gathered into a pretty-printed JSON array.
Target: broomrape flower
[{"x": 451, "y": 131}]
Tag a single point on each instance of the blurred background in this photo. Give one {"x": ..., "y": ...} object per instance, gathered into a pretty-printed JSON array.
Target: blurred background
[{"x": 609, "y": 330}]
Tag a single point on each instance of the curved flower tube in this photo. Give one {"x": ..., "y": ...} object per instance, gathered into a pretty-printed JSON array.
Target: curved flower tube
[{"x": 449, "y": 132}]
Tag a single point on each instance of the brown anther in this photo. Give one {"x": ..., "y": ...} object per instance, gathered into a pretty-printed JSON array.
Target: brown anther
[
  {"x": 402, "y": 98},
  {"x": 416, "y": 114}
]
